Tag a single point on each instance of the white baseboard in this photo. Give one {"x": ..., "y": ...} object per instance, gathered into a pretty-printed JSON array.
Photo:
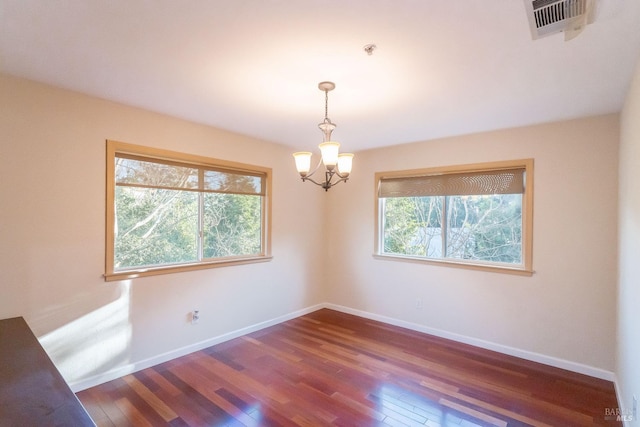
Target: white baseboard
[
  {"x": 183, "y": 351},
  {"x": 622, "y": 407},
  {"x": 511, "y": 351},
  {"x": 523, "y": 354}
]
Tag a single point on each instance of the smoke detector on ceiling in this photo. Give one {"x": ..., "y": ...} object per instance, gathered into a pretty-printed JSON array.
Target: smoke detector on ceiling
[{"x": 548, "y": 17}]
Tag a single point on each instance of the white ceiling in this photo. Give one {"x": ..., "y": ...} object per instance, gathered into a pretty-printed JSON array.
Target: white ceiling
[{"x": 441, "y": 67}]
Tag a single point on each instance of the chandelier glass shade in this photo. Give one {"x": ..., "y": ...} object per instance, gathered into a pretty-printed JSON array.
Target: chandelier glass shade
[{"x": 337, "y": 166}]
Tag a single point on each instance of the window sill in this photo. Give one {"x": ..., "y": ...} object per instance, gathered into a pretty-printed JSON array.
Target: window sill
[
  {"x": 505, "y": 269},
  {"x": 155, "y": 271}
]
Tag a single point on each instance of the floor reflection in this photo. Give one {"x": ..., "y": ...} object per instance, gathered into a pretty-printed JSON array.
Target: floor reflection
[{"x": 404, "y": 408}]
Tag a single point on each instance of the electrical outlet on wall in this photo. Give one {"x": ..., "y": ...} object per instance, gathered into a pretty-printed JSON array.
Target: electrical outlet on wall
[
  {"x": 419, "y": 304},
  {"x": 195, "y": 316}
]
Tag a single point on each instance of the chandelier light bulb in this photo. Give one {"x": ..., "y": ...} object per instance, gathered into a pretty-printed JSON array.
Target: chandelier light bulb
[
  {"x": 345, "y": 162},
  {"x": 329, "y": 152},
  {"x": 303, "y": 162}
]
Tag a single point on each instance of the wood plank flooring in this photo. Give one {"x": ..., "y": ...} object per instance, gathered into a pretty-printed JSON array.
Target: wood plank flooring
[{"x": 331, "y": 368}]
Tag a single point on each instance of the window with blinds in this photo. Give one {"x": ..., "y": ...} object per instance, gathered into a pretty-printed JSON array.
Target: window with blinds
[
  {"x": 170, "y": 211},
  {"x": 473, "y": 215}
]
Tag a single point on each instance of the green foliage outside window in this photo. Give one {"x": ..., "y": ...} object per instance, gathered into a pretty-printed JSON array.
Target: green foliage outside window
[
  {"x": 168, "y": 213},
  {"x": 155, "y": 227},
  {"x": 231, "y": 225},
  {"x": 482, "y": 228}
]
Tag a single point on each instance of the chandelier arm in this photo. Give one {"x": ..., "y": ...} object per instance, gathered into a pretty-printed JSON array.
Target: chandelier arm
[
  {"x": 306, "y": 178},
  {"x": 327, "y": 184},
  {"x": 339, "y": 181},
  {"x": 314, "y": 169},
  {"x": 329, "y": 177}
]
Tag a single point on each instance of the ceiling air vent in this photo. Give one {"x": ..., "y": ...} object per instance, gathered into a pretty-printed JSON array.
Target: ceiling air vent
[{"x": 548, "y": 17}]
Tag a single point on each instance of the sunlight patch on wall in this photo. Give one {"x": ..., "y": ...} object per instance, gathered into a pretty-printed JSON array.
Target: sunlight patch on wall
[{"x": 94, "y": 343}]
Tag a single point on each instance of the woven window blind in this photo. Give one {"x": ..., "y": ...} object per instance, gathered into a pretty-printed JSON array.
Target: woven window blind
[
  {"x": 137, "y": 171},
  {"x": 503, "y": 181}
]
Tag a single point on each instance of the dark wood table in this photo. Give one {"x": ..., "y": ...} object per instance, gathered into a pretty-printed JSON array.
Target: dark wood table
[{"x": 32, "y": 391}]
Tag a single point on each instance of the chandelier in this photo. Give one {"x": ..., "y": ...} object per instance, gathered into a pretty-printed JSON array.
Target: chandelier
[{"x": 336, "y": 165}]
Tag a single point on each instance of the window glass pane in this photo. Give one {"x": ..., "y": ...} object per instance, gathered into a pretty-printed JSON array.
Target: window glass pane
[
  {"x": 232, "y": 182},
  {"x": 412, "y": 226},
  {"x": 232, "y": 225},
  {"x": 140, "y": 172},
  {"x": 155, "y": 227},
  {"x": 485, "y": 228}
]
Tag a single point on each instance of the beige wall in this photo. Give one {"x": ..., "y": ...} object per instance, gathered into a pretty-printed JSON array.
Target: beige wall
[
  {"x": 52, "y": 235},
  {"x": 628, "y": 363},
  {"x": 52, "y": 185},
  {"x": 565, "y": 311}
]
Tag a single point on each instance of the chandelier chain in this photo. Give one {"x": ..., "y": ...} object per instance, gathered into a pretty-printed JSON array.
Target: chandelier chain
[{"x": 326, "y": 104}]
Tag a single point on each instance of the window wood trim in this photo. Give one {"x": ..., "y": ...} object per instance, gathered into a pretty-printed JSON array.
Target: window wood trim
[
  {"x": 526, "y": 268},
  {"x": 114, "y": 148}
]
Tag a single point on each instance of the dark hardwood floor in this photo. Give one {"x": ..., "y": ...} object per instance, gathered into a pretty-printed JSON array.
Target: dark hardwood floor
[{"x": 330, "y": 368}]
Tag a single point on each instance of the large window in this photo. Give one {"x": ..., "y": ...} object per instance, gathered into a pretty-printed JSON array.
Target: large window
[
  {"x": 169, "y": 212},
  {"x": 477, "y": 216}
]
